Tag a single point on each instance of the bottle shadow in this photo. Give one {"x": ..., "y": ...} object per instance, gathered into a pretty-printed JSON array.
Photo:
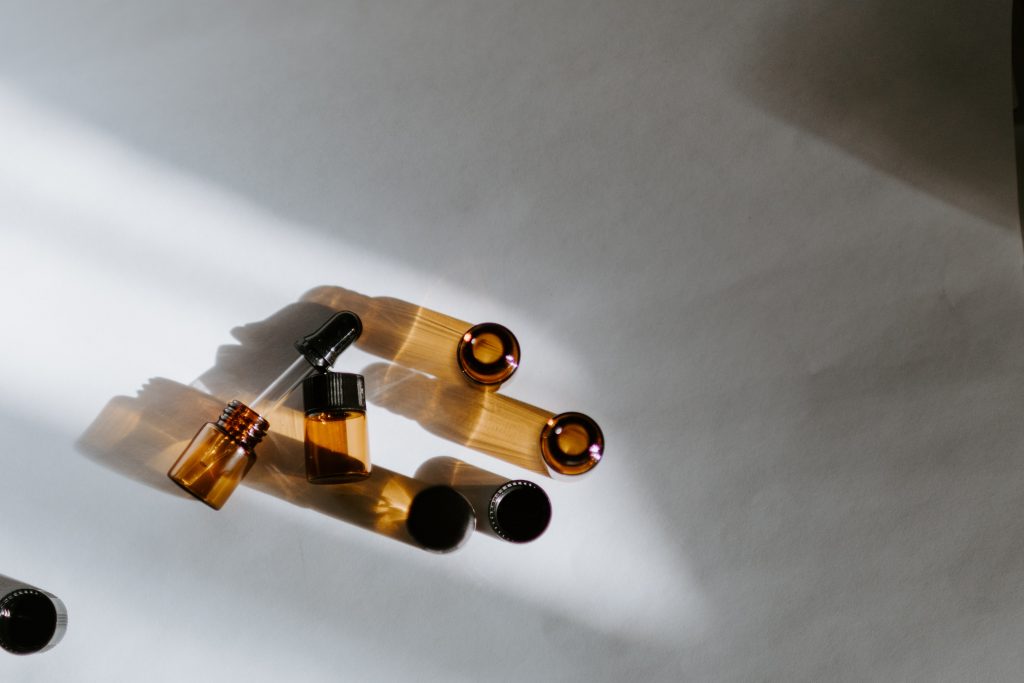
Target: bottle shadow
[
  {"x": 401, "y": 332},
  {"x": 477, "y": 485},
  {"x": 484, "y": 421},
  {"x": 140, "y": 437},
  {"x": 902, "y": 86},
  {"x": 423, "y": 381}
]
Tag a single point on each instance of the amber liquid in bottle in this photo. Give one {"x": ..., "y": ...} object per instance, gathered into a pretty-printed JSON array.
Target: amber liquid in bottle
[
  {"x": 337, "y": 449},
  {"x": 222, "y": 453}
]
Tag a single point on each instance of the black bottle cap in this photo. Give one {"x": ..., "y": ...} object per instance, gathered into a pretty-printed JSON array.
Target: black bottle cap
[
  {"x": 519, "y": 511},
  {"x": 30, "y": 621},
  {"x": 322, "y": 348},
  {"x": 440, "y": 519},
  {"x": 333, "y": 391}
]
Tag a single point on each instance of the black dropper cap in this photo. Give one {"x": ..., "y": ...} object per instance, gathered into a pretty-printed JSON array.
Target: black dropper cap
[
  {"x": 322, "y": 348},
  {"x": 333, "y": 391}
]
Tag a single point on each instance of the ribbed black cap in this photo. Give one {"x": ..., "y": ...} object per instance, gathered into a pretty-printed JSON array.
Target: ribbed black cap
[
  {"x": 519, "y": 511},
  {"x": 322, "y": 348},
  {"x": 29, "y": 620},
  {"x": 333, "y": 391}
]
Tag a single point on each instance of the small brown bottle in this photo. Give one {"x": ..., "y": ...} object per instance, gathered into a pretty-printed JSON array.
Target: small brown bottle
[
  {"x": 571, "y": 444},
  {"x": 488, "y": 354},
  {"x": 337, "y": 449},
  {"x": 564, "y": 445},
  {"x": 220, "y": 455}
]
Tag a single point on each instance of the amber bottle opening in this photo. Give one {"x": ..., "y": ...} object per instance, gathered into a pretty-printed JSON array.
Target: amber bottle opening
[
  {"x": 488, "y": 354},
  {"x": 571, "y": 444}
]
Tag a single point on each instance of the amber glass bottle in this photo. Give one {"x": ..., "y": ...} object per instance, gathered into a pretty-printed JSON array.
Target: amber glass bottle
[
  {"x": 337, "y": 447},
  {"x": 220, "y": 455},
  {"x": 488, "y": 354},
  {"x": 31, "y": 620},
  {"x": 564, "y": 445},
  {"x": 571, "y": 444}
]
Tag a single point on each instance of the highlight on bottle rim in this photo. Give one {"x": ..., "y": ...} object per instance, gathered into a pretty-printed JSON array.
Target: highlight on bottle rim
[
  {"x": 488, "y": 354},
  {"x": 571, "y": 444}
]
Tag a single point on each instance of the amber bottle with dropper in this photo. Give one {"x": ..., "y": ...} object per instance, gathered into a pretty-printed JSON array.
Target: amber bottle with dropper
[{"x": 222, "y": 452}]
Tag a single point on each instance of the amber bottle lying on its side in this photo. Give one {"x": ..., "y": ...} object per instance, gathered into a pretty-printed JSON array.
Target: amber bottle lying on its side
[
  {"x": 485, "y": 355},
  {"x": 220, "y": 455},
  {"x": 222, "y": 452},
  {"x": 488, "y": 354}
]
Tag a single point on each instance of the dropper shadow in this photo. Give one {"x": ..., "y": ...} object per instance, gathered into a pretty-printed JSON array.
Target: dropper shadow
[
  {"x": 905, "y": 86},
  {"x": 140, "y": 437},
  {"x": 485, "y": 421},
  {"x": 264, "y": 349}
]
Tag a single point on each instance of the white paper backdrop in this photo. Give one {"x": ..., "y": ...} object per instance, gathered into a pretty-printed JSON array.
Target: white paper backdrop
[{"x": 771, "y": 247}]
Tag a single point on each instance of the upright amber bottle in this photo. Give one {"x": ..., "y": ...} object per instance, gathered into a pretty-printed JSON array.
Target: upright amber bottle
[
  {"x": 337, "y": 448},
  {"x": 221, "y": 453}
]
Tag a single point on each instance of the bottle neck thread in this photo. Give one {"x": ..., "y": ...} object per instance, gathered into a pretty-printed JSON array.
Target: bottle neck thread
[{"x": 244, "y": 425}]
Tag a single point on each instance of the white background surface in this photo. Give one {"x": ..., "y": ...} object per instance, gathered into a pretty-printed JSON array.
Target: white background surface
[{"x": 771, "y": 247}]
